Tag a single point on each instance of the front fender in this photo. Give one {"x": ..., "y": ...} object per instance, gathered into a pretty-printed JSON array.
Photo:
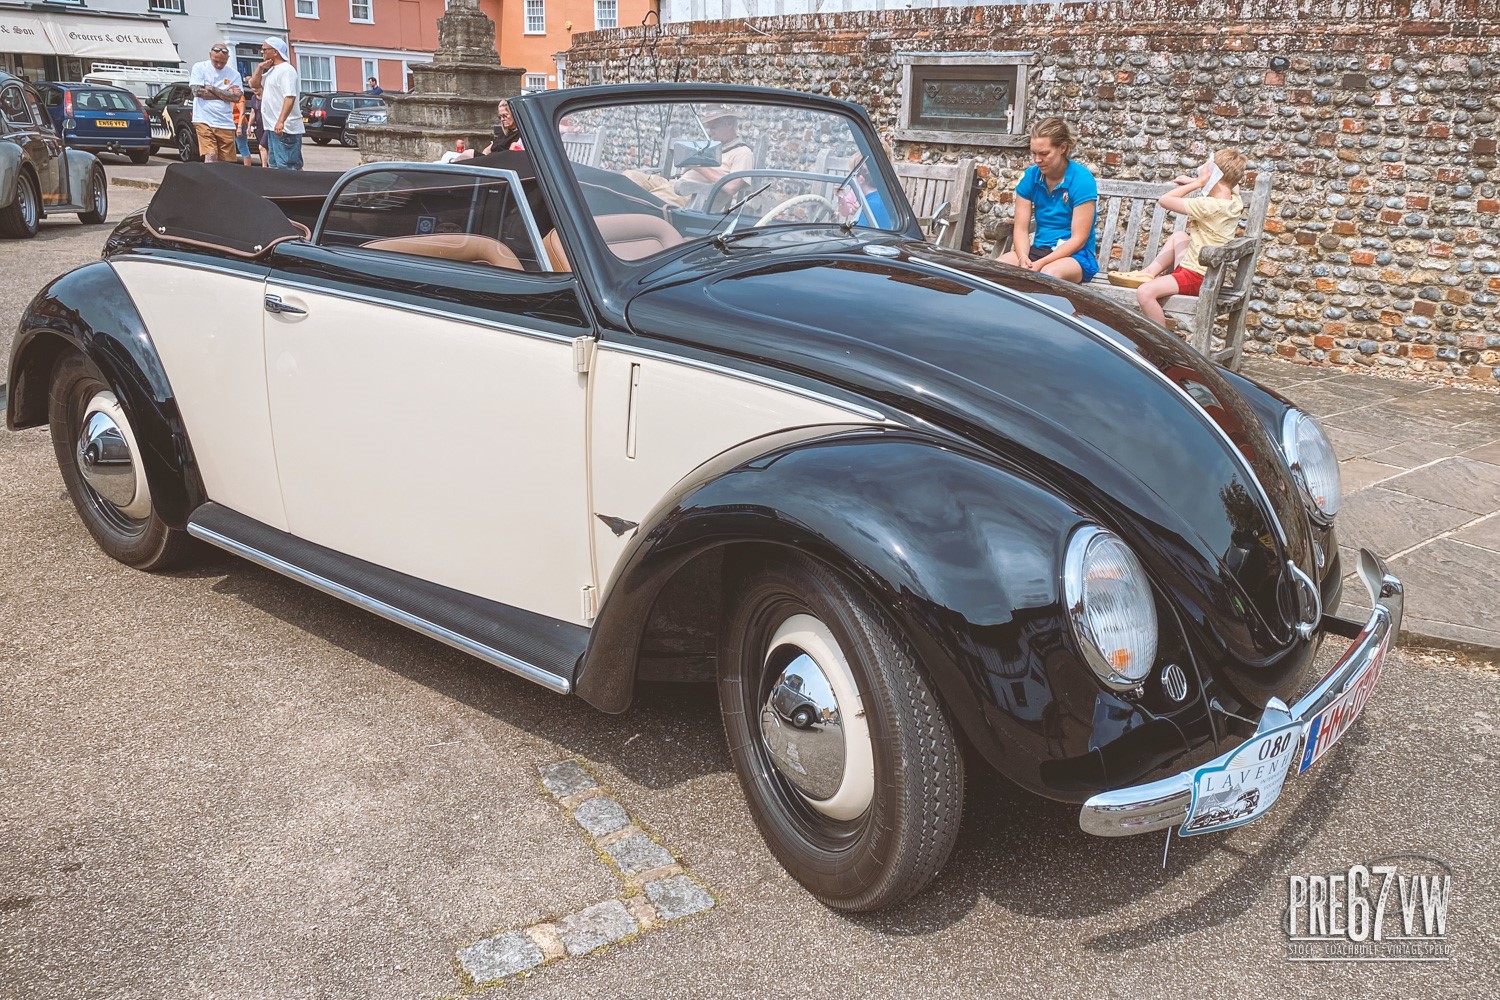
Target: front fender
[
  {"x": 964, "y": 553},
  {"x": 89, "y": 310}
]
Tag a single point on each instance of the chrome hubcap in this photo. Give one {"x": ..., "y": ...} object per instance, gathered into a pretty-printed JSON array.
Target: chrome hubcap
[
  {"x": 812, "y": 721},
  {"x": 108, "y": 457},
  {"x": 27, "y": 194}
]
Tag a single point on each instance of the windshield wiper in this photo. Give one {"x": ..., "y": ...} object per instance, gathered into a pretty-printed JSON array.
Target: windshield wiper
[{"x": 736, "y": 208}]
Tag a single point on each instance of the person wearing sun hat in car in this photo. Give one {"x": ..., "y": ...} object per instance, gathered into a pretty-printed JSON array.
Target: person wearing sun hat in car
[{"x": 735, "y": 155}]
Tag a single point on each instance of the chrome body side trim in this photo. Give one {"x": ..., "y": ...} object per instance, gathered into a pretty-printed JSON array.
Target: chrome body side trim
[
  {"x": 494, "y": 656},
  {"x": 1164, "y": 803},
  {"x": 744, "y": 376}
]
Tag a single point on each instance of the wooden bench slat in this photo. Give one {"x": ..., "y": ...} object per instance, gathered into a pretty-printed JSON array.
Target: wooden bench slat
[{"x": 1107, "y": 248}]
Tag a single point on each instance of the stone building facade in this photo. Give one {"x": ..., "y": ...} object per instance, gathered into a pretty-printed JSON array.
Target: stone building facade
[{"x": 1377, "y": 117}]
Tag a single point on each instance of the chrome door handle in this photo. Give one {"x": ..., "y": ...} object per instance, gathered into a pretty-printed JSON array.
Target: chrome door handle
[{"x": 275, "y": 305}]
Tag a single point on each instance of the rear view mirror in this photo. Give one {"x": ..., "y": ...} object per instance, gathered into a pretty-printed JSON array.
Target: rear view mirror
[{"x": 695, "y": 153}]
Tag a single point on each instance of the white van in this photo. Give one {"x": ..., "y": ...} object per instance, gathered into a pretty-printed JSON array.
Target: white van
[{"x": 142, "y": 81}]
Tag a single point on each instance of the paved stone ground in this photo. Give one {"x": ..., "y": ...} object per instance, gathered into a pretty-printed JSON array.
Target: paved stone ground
[{"x": 1421, "y": 471}]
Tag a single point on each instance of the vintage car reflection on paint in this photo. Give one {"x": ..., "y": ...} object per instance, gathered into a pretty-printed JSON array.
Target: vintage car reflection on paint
[
  {"x": 705, "y": 403},
  {"x": 38, "y": 175}
]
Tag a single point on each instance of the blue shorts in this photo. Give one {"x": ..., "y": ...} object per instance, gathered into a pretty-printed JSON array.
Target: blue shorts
[
  {"x": 1087, "y": 262},
  {"x": 242, "y": 145},
  {"x": 284, "y": 151}
]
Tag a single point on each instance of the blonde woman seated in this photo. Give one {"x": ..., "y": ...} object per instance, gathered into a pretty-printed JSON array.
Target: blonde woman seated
[{"x": 1062, "y": 197}]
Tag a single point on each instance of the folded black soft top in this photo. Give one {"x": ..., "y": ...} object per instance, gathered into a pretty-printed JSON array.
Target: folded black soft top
[{"x": 231, "y": 207}]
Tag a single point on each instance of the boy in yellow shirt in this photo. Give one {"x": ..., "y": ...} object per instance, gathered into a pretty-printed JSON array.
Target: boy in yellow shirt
[{"x": 1213, "y": 218}]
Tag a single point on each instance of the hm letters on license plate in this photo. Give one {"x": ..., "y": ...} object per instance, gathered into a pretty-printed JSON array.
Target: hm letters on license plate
[{"x": 1329, "y": 725}]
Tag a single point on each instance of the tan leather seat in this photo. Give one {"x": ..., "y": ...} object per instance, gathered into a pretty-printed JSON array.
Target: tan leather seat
[
  {"x": 552, "y": 244},
  {"x": 452, "y": 246},
  {"x": 632, "y": 237}
]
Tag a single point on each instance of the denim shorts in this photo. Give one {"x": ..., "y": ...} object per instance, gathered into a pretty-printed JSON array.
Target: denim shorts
[{"x": 285, "y": 150}]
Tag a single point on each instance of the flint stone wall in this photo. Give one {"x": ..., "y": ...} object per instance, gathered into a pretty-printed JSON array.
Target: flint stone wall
[{"x": 1383, "y": 242}]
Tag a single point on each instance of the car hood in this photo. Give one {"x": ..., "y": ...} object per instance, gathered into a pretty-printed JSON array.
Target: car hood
[{"x": 1128, "y": 423}]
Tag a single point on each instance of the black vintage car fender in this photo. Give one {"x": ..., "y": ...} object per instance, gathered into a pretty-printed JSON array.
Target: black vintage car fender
[
  {"x": 967, "y": 563},
  {"x": 89, "y": 311}
]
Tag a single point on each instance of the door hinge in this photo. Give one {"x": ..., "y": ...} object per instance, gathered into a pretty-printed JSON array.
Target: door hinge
[
  {"x": 583, "y": 353},
  {"x": 589, "y": 607}
]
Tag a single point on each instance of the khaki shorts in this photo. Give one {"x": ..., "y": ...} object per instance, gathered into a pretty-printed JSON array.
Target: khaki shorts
[{"x": 216, "y": 143}]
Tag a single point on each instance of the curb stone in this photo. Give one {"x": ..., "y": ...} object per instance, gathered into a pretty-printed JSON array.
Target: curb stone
[{"x": 656, "y": 888}]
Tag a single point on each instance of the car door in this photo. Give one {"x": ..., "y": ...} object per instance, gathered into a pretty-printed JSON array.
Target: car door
[
  {"x": 427, "y": 413},
  {"x": 27, "y": 125}
]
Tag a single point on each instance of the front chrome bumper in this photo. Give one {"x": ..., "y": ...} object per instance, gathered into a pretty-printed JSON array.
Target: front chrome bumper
[{"x": 1164, "y": 803}]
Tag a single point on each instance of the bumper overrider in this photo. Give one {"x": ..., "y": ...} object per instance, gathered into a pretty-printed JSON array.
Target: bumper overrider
[{"x": 1314, "y": 721}]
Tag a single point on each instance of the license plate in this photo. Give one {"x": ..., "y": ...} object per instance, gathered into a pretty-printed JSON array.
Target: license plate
[
  {"x": 111, "y": 123},
  {"x": 1232, "y": 792},
  {"x": 1329, "y": 725}
]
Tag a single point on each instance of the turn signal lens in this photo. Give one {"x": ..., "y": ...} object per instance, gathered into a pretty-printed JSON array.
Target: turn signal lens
[{"x": 1110, "y": 606}]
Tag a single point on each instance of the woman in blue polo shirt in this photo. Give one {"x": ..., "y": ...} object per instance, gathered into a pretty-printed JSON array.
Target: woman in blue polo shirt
[{"x": 1063, "y": 198}]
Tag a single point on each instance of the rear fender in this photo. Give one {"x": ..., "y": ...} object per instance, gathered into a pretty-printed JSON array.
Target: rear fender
[
  {"x": 79, "y": 163},
  {"x": 10, "y": 170},
  {"x": 963, "y": 553},
  {"x": 89, "y": 310}
]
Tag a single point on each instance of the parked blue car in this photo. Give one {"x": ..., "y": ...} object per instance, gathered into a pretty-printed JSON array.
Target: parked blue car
[{"x": 98, "y": 119}]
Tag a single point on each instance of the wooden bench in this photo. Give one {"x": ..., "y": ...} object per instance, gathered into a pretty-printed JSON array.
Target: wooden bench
[
  {"x": 1131, "y": 228},
  {"x": 584, "y": 147},
  {"x": 942, "y": 195}
]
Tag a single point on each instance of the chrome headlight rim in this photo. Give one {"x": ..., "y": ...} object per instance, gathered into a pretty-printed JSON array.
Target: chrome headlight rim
[
  {"x": 1075, "y": 562},
  {"x": 1296, "y": 461}
]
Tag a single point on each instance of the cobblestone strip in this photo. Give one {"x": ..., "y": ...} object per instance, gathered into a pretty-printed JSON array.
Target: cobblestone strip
[{"x": 656, "y": 889}]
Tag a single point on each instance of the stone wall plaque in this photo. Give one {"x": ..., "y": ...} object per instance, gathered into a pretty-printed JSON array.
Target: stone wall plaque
[{"x": 972, "y": 98}]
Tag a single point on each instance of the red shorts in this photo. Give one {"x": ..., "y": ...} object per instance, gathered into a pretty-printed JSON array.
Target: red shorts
[{"x": 1188, "y": 282}]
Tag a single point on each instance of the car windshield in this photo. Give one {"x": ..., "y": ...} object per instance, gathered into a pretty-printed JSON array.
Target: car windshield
[{"x": 708, "y": 169}]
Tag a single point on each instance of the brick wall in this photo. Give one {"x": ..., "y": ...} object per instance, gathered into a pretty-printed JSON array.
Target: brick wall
[{"x": 1383, "y": 242}]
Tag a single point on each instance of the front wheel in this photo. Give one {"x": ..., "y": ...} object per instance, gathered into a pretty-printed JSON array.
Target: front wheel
[
  {"x": 349, "y": 139},
  {"x": 863, "y": 808},
  {"x": 96, "y": 197},
  {"x": 187, "y": 145},
  {"x": 100, "y": 459}
]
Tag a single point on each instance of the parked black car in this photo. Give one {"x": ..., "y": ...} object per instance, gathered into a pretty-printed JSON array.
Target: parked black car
[
  {"x": 989, "y": 521},
  {"x": 98, "y": 118},
  {"x": 170, "y": 112},
  {"x": 39, "y": 176},
  {"x": 325, "y": 114}
]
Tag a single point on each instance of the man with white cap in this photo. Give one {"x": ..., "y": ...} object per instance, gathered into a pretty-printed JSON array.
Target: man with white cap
[
  {"x": 284, "y": 129},
  {"x": 216, "y": 87}
]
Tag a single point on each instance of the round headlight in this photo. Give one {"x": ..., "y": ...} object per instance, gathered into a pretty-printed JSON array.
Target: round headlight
[
  {"x": 1110, "y": 606},
  {"x": 1313, "y": 463}
]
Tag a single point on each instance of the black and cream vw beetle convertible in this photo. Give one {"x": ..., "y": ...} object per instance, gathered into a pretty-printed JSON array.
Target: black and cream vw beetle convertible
[{"x": 680, "y": 392}]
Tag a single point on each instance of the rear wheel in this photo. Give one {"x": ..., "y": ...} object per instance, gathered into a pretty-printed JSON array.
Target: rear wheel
[
  {"x": 96, "y": 197},
  {"x": 21, "y": 218},
  {"x": 187, "y": 145},
  {"x": 139, "y": 156},
  {"x": 320, "y": 140},
  {"x": 101, "y": 467},
  {"x": 861, "y": 805}
]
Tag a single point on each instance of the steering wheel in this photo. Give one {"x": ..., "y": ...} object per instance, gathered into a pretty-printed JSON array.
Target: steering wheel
[{"x": 829, "y": 209}]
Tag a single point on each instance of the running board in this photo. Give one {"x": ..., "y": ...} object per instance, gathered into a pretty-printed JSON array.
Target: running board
[{"x": 540, "y": 649}]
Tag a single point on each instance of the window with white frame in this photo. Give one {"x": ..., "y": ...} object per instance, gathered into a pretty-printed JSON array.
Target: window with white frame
[
  {"x": 316, "y": 73},
  {"x": 536, "y": 17},
  {"x": 534, "y": 82},
  {"x": 369, "y": 68},
  {"x": 307, "y": 8},
  {"x": 165, "y": 6},
  {"x": 250, "y": 10},
  {"x": 362, "y": 11},
  {"x": 606, "y": 13}
]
